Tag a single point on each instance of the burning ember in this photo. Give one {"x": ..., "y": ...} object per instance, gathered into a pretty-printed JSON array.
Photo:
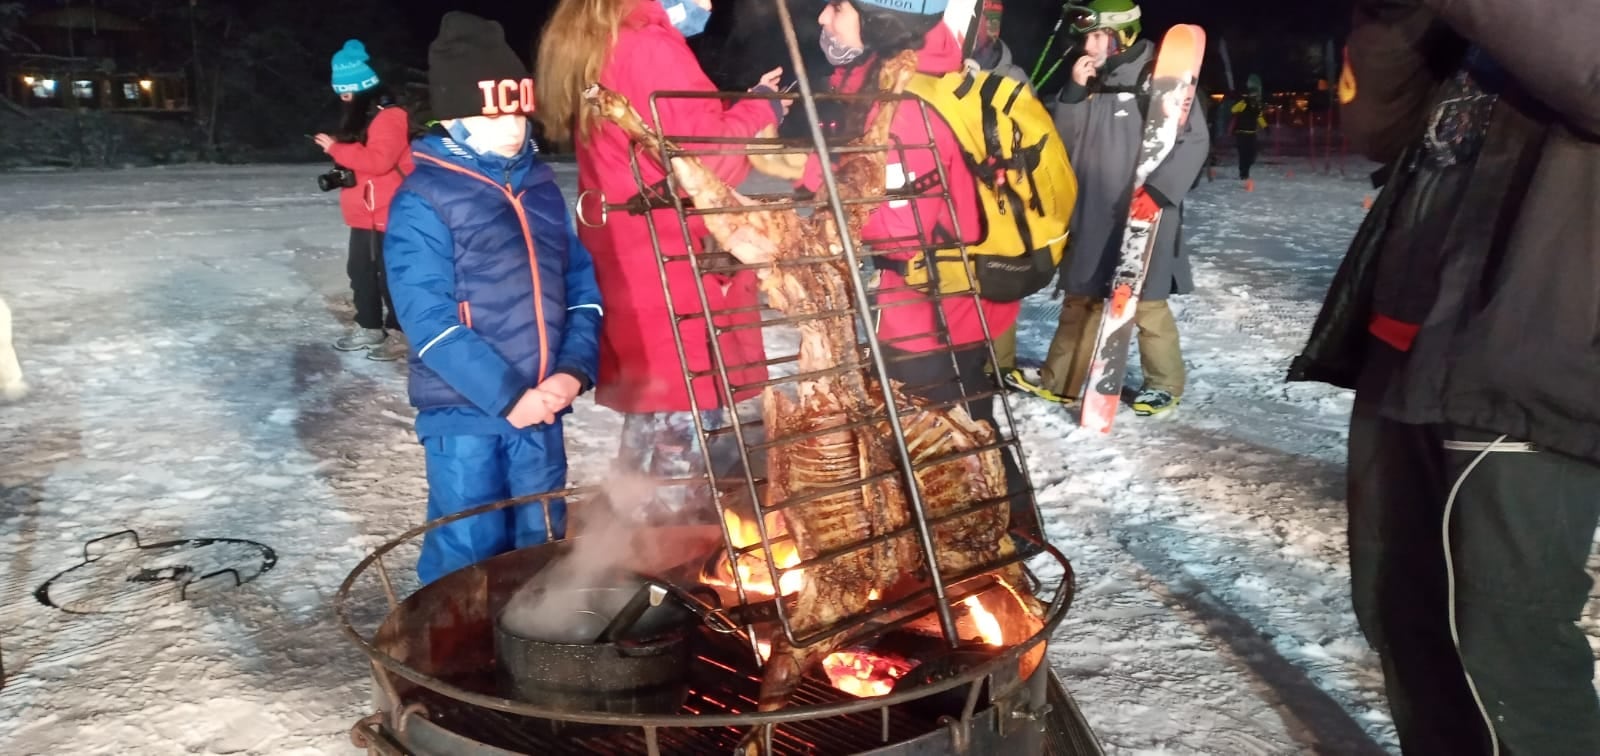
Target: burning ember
[
  {"x": 752, "y": 567},
  {"x": 864, "y": 675}
]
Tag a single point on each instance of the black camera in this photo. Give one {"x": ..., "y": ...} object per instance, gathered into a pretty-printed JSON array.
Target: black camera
[{"x": 338, "y": 178}]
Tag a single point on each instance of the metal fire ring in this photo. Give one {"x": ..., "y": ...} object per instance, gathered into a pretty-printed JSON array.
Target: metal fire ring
[{"x": 975, "y": 674}]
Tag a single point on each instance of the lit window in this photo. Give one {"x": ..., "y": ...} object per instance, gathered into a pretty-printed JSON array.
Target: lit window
[
  {"x": 146, "y": 84},
  {"x": 45, "y": 88},
  {"x": 130, "y": 92},
  {"x": 83, "y": 90}
]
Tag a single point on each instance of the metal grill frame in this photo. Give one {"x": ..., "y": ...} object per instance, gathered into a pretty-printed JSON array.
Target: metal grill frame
[{"x": 939, "y": 591}]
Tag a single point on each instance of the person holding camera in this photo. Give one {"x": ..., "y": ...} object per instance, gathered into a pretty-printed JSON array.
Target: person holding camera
[{"x": 372, "y": 155}]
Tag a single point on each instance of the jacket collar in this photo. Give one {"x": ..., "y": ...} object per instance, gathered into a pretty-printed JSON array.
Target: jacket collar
[{"x": 438, "y": 143}]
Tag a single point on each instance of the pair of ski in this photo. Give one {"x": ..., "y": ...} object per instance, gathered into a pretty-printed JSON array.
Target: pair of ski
[{"x": 1172, "y": 91}]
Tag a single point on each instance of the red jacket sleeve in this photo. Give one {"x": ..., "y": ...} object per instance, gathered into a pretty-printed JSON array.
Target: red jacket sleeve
[
  {"x": 386, "y": 144},
  {"x": 655, "y": 60}
]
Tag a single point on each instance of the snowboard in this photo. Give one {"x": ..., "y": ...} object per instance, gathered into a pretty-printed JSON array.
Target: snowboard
[{"x": 1172, "y": 88}]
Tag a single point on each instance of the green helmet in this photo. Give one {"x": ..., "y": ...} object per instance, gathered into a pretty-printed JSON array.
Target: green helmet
[{"x": 1119, "y": 15}]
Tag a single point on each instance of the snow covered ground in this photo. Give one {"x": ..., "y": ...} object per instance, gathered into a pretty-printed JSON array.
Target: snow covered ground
[{"x": 174, "y": 324}]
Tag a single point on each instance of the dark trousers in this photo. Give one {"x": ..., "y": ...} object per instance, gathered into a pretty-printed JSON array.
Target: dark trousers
[
  {"x": 369, "y": 285},
  {"x": 1247, "y": 153},
  {"x": 936, "y": 377},
  {"x": 1462, "y": 534}
]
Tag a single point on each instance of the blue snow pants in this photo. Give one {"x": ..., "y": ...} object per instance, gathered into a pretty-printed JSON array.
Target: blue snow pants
[{"x": 470, "y": 471}]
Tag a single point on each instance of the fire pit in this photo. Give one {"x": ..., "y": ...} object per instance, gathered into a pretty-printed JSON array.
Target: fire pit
[{"x": 441, "y": 689}]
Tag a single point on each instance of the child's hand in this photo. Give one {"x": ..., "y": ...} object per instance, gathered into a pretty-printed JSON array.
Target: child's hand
[
  {"x": 532, "y": 409},
  {"x": 560, "y": 389},
  {"x": 324, "y": 141}
]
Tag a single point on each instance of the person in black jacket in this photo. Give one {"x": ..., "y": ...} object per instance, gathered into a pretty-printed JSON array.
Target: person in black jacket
[
  {"x": 1467, "y": 318},
  {"x": 1249, "y": 118}
]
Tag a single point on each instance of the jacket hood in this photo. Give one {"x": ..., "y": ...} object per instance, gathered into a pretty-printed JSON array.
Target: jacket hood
[
  {"x": 940, "y": 54},
  {"x": 648, "y": 13},
  {"x": 1123, "y": 69}
]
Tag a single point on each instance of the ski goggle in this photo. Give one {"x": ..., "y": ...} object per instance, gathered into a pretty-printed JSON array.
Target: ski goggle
[{"x": 1080, "y": 19}]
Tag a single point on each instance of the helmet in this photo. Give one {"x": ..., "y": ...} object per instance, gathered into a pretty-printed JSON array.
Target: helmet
[{"x": 1122, "y": 16}]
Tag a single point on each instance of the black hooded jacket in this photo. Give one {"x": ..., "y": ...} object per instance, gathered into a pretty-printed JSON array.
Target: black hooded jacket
[{"x": 1504, "y": 264}]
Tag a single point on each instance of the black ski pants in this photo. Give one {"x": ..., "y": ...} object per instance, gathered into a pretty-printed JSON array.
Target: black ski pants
[
  {"x": 1247, "y": 153},
  {"x": 1467, "y": 564},
  {"x": 369, "y": 285}
]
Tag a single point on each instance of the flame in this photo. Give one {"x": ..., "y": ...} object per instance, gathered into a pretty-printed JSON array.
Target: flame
[
  {"x": 988, "y": 627},
  {"x": 864, "y": 675},
  {"x": 752, "y": 570}
]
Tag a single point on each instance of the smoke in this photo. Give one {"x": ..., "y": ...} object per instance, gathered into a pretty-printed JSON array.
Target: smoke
[{"x": 615, "y": 539}]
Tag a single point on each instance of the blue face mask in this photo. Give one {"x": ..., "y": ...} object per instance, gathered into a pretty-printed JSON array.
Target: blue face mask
[{"x": 686, "y": 16}]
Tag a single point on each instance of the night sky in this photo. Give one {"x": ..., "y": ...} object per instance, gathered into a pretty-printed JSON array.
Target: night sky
[{"x": 1263, "y": 35}]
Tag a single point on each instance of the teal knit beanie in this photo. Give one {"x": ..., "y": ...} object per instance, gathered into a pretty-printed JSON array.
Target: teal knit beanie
[{"x": 351, "y": 74}]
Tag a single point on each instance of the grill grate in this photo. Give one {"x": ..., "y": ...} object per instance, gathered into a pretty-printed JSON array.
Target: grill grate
[{"x": 717, "y": 685}]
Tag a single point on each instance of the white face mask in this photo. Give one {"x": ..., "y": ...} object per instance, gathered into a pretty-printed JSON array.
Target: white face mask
[
  {"x": 503, "y": 135},
  {"x": 838, "y": 54}
]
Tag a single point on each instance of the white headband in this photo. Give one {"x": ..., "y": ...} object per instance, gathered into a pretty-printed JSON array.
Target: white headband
[{"x": 1119, "y": 18}]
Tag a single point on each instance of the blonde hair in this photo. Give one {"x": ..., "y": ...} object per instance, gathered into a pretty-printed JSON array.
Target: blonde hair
[{"x": 573, "y": 47}]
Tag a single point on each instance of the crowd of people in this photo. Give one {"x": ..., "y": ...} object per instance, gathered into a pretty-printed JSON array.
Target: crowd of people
[{"x": 1464, "y": 317}]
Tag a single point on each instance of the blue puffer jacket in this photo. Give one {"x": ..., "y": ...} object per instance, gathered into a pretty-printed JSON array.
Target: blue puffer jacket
[{"x": 489, "y": 282}]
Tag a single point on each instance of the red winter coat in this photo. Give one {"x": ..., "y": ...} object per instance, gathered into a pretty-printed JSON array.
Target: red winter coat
[
  {"x": 639, "y": 366},
  {"x": 940, "y": 54},
  {"x": 380, "y": 165}
]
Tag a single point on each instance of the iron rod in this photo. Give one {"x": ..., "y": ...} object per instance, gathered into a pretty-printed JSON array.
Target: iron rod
[
  {"x": 683, "y": 360},
  {"x": 388, "y": 587},
  {"x": 714, "y": 347},
  {"x": 848, "y": 249}
]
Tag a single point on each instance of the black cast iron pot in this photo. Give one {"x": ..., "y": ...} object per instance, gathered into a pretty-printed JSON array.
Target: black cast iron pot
[{"x": 561, "y": 658}]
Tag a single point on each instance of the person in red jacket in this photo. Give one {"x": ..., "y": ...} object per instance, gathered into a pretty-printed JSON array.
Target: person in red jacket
[
  {"x": 373, "y": 144},
  {"x": 637, "y": 48},
  {"x": 919, "y": 338}
]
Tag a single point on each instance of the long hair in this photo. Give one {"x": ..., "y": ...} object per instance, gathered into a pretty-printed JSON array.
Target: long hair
[
  {"x": 884, "y": 34},
  {"x": 575, "y": 44},
  {"x": 356, "y": 115}
]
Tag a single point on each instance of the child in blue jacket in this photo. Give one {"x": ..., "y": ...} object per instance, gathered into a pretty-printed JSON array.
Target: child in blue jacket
[{"x": 497, "y": 297}]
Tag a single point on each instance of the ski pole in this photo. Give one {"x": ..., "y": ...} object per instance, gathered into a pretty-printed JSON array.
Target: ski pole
[
  {"x": 1047, "y": 74},
  {"x": 1065, "y": 54},
  {"x": 1049, "y": 42}
]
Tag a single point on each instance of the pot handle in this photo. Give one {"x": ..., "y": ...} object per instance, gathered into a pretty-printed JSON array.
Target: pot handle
[
  {"x": 708, "y": 609},
  {"x": 651, "y": 594}
]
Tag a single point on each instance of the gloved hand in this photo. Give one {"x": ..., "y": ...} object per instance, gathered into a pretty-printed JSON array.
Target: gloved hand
[{"x": 1144, "y": 206}]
